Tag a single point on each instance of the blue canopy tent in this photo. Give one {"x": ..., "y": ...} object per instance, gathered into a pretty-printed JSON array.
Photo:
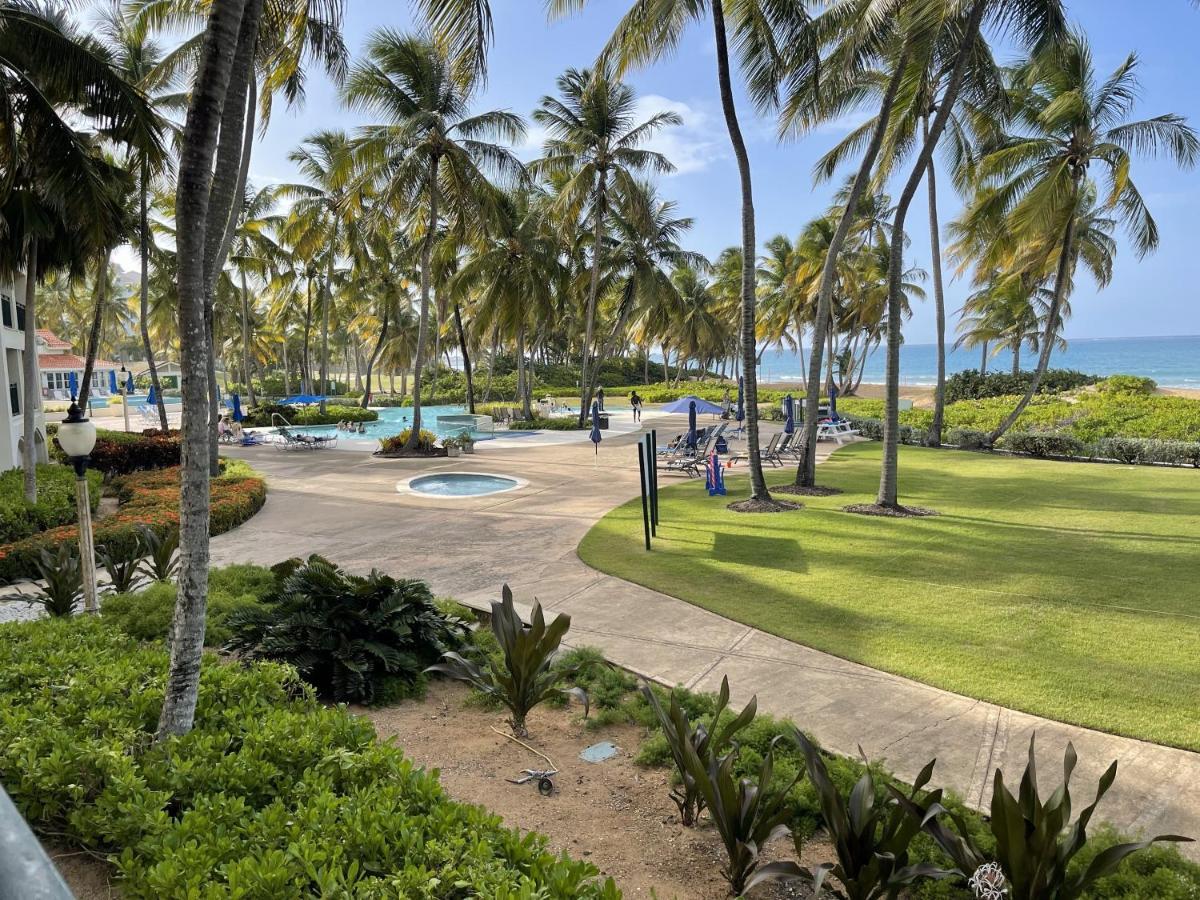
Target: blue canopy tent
[
  {"x": 685, "y": 404},
  {"x": 73, "y": 384},
  {"x": 303, "y": 400},
  {"x": 789, "y": 414},
  {"x": 691, "y": 435},
  {"x": 595, "y": 435},
  {"x": 236, "y": 402},
  {"x": 112, "y": 382}
]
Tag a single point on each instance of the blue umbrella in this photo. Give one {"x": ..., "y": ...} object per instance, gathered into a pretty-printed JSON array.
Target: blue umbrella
[
  {"x": 129, "y": 384},
  {"x": 302, "y": 400},
  {"x": 237, "y": 407},
  {"x": 686, "y": 404},
  {"x": 112, "y": 382},
  {"x": 73, "y": 383},
  {"x": 741, "y": 404},
  {"x": 691, "y": 435},
  {"x": 833, "y": 416},
  {"x": 595, "y": 435},
  {"x": 789, "y": 412},
  {"x": 150, "y": 396}
]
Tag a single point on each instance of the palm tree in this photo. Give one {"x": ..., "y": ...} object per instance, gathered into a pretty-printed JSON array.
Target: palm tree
[
  {"x": 255, "y": 254},
  {"x": 592, "y": 151},
  {"x": 1040, "y": 180},
  {"x": 651, "y": 30},
  {"x": 429, "y": 150}
]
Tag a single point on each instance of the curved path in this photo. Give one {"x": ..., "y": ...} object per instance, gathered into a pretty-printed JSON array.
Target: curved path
[{"x": 344, "y": 506}]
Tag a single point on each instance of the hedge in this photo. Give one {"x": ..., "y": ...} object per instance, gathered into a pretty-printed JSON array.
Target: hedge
[
  {"x": 270, "y": 795},
  {"x": 547, "y": 423},
  {"x": 971, "y": 385},
  {"x": 150, "y": 499},
  {"x": 260, "y": 416},
  {"x": 120, "y": 452},
  {"x": 55, "y": 501}
]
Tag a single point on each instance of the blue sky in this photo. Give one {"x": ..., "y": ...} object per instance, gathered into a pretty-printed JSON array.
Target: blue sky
[{"x": 1155, "y": 296}]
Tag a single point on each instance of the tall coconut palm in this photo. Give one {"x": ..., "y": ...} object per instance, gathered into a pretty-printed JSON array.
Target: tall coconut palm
[
  {"x": 429, "y": 151},
  {"x": 1070, "y": 122},
  {"x": 592, "y": 151},
  {"x": 255, "y": 254}
]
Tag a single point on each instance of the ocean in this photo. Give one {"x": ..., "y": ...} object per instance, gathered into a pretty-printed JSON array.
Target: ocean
[{"x": 1170, "y": 361}]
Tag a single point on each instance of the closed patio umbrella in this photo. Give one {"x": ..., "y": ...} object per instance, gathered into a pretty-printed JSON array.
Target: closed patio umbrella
[
  {"x": 236, "y": 402},
  {"x": 789, "y": 413},
  {"x": 151, "y": 397},
  {"x": 595, "y": 435},
  {"x": 740, "y": 414},
  {"x": 112, "y": 382},
  {"x": 129, "y": 384},
  {"x": 833, "y": 416},
  {"x": 691, "y": 435},
  {"x": 73, "y": 384}
]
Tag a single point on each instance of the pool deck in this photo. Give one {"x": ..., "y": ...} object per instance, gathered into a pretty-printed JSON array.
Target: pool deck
[{"x": 345, "y": 506}]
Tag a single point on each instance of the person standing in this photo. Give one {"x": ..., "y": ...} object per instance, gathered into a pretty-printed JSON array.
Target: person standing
[
  {"x": 600, "y": 398},
  {"x": 636, "y": 402}
]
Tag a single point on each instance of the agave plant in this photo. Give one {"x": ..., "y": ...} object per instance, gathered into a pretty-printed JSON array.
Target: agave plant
[
  {"x": 706, "y": 742},
  {"x": 748, "y": 813},
  {"x": 527, "y": 676},
  {"x": 160, "y": 546},
  {"x": 123, "y": 565},
  {"x": 347, "y": 635},
  {"x": 1035, "y": 839},
  {"x": 871, "y": 839},
  {"x": 63, "y": 577}
]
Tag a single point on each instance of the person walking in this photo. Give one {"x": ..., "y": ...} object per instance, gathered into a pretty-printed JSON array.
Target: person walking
[{"x": 636, "y": 402}]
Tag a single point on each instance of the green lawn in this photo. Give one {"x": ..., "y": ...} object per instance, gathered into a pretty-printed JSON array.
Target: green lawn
[{"x": 1068, "y": 590}]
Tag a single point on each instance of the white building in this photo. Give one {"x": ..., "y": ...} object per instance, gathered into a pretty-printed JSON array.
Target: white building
[
  {"x": 56, "y": 363},
  {"x": 12, "y": 355}
]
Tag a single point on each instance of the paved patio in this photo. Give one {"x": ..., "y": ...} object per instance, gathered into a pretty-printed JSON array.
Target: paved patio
[{"x": 345, "y": 506}]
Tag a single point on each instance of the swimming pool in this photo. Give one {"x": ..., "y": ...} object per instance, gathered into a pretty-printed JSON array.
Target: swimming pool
[
  {"x": 395, "y": 419},
  {"x": 459, "y": 484}
]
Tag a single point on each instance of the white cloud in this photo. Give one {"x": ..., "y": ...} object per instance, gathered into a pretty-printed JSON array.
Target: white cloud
[
  {"x": 845, "y": 123},
  {"x": 531, "y": 148},
  {"x": 691, "y": 146}
]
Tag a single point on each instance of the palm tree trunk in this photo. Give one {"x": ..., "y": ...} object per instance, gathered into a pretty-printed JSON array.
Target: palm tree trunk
[
  {"x": 487, "y": 388},
  {"x": 1061, "y": 278},
  {"x": 144, "y": 296},
  {"x": 32, "y": 389},
  {"x": 522, "y": 377},
  {"x": 194, "y": 183},
  {"x": 326, "y": 303},
  {"x": 93, "y": 342},
  {"x": 933, "y": 437},
  {"x": 585, "y": 392},
  {"x": 983, "y": 359},
  {"x": 246, "y": 341},
  {"x": 214, "y": 399},
  {"x": 383, "y": 332},
  {"x": 466, "y": 356},
  {"x": 889, "y": 474},
  {"x": 806, "y": 471},
  {"x": 646, "y": 364},
  {"x": 1016, "y": 355},
  {"x": 307, "y": 379},
  {"x": 758, "y": 483},
  {"x": 423, "y": 321},
  {"x": 286, "y": 386}
]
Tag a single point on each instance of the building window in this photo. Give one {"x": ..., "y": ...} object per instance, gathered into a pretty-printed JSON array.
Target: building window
[
  {"x": 20, "y": 317},
  {"x": 6, "y": 305},
  {"x": 14, "y": 398}
]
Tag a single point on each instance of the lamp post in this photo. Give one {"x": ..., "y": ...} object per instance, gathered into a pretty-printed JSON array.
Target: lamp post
[
  {"x": 77, "y": 437},
  {"x": 124, "y": 382}
]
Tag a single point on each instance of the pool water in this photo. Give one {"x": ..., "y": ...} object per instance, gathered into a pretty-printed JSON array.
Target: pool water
[
  {"x": 393, "y": 420},
  {"x": 461, "y": 484}
]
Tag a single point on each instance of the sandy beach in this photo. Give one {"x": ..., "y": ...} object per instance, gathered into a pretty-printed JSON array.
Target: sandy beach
[{"x": 922, "y": 394}]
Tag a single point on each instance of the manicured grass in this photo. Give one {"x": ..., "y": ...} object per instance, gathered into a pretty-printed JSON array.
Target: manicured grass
[{"x": 1064, "y": 589}]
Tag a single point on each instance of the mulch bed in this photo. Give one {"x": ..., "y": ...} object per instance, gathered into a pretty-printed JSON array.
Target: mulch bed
[
  {"x": 892, "y": 512},
  {"x": 764, "y": 506},
  {"x": 814, "y": 490}
]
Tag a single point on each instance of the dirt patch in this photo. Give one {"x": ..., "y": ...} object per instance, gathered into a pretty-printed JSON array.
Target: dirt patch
[
  {"x": 891, "y": 512},
  {"x": 615, "y": 814},
  {"x": 763, "y": 506},
  {"x": 88, "y": 876},
  {"x": 813, "y": 490}
]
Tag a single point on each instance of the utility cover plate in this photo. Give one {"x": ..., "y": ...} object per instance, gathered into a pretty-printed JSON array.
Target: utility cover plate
[{"x": 599, "y": 752}]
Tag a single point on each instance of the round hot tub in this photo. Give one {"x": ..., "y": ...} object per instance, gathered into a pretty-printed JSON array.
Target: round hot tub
[{"x": 452, "y": 485}]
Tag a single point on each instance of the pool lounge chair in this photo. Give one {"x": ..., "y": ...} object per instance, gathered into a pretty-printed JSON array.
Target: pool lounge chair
[
  {"x": 289, "y": 441},
  {"x": 766, "y": 454}
]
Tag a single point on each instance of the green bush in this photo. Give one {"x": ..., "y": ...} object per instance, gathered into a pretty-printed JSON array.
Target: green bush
[
  {"x": 55, "y": 503},
  {"x": 122, "y": 452},
  {"x": 146, "y": 615},
  {"x": 348, "y": 636},
  {"x": 426, "y": 441},
  {"x": 261, "y": 415},
  {"x": 1127, "y": 384},
  {"x": 271, "y": 795},
  {"x": 547, "y": 423},
  {"x": 1145, "y": 451},
  {"x": 1043, "y": 444},
  {"x": 967, "y": 438},
  {"x": 971, "y": 385}
]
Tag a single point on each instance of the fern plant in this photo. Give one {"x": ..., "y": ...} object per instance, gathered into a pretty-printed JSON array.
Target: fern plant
[
  {"x": 526, "y": 676},
  {"x": 347, "y": 635}
]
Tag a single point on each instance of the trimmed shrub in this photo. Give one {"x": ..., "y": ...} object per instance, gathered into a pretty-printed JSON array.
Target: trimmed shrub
[
  {"x": 271, "y": 795},
  {"x": 147, "y": 499},
  {"x": 1143, "y": 451},
  {"x": 1127, "y": 384},
  {"x": 55, "y": 503},
  {"x": 968, "y": 438},
  {"x": 146, "y": 615},
  {"x": 426, "y": 441},
  {"x": 971, "y": 385},
  {"x": 121, "y": 452},
  {"x": 1043, "y": 444},
  {"x": 260, "y": 416},
  {"x": 547, "y": 423}
]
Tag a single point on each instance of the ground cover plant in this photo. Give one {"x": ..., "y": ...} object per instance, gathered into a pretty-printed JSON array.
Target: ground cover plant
[
  {"x": 1020, "y": 584},
  {"x": 271, "y": 795},
  {"x": 55, "y": 504},
  {"x": 148, "y": 500}
]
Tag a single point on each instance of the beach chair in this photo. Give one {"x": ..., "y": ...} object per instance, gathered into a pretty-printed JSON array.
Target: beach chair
[
  {"x": 289, "y": 441},
  {"x": 766, "y": 454},
  {"x": 671, "y": 445}
]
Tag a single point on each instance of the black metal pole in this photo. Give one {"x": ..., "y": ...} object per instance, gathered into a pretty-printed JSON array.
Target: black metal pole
[
  {"x": 654, "y": 478},
  {"x": 643, "y": 468}
]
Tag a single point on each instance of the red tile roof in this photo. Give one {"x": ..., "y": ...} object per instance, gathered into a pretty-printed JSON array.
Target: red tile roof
[
  {"x": 53, "y": 341},
  {"x": 71, "y": 362}
]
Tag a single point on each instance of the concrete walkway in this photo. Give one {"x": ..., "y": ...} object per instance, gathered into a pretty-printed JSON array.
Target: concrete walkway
[{"x": 345, "y": 506}]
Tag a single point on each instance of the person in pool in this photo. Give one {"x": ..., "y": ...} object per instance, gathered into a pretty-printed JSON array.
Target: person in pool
[{"x": 636, "y": 402}]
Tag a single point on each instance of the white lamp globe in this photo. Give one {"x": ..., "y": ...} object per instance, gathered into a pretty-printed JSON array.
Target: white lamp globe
[{"x": 77, "y": 435}]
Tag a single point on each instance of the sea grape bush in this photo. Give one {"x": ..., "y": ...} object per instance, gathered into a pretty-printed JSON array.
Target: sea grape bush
[
  {"x": 271, "y": 795},
  {"x": 970, "y": 384}
]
